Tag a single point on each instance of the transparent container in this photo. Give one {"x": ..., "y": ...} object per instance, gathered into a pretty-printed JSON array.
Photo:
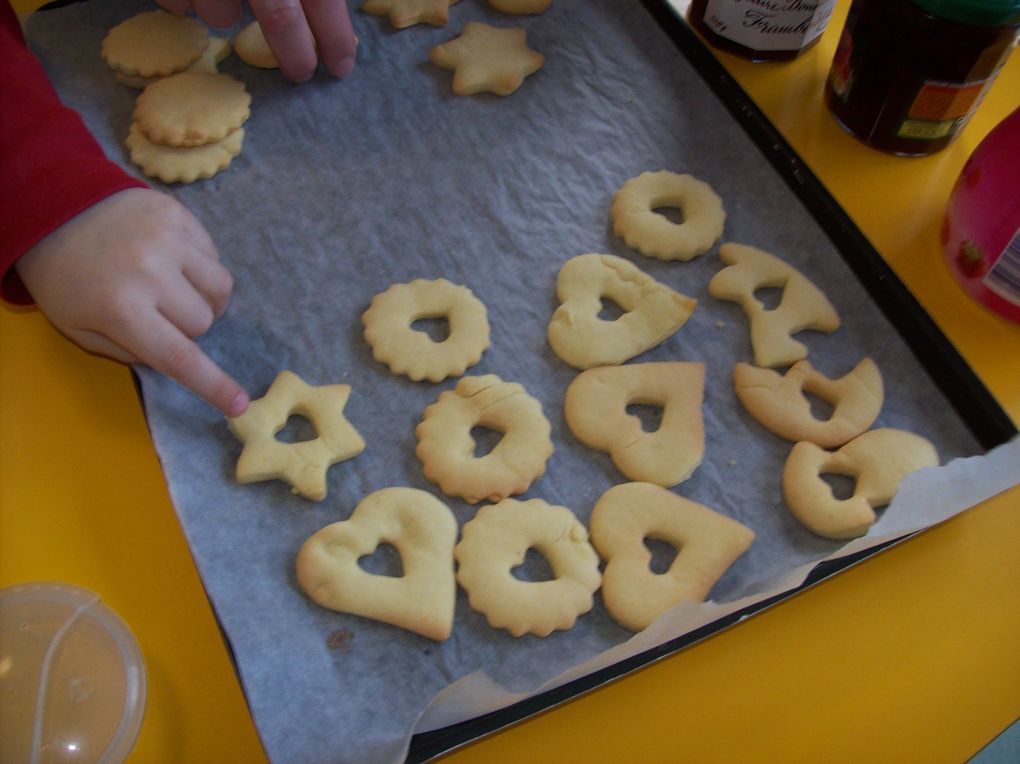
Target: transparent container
[{"x": 72, "y": 677}]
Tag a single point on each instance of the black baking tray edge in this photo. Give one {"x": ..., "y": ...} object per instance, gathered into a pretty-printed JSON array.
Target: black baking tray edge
[{"x": 975, "y": 405}]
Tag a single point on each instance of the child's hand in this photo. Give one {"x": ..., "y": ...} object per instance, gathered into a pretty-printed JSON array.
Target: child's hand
[
  {"x": 134, "y": 277},
  {"x": 289, "y": 27}
]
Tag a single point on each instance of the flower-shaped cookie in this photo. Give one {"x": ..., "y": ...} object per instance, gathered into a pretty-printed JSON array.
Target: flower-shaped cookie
[
  {"x": 486, "y": 59},
  {"x": 303, "y": 464}
]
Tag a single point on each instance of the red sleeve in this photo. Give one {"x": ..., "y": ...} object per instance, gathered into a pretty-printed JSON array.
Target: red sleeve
[{"x": 51, "y": 168}]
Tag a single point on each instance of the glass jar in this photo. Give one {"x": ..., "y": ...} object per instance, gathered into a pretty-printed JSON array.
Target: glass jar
[
  {"x": 761, "y": 30},
  {"x": 908, "y": 74},
  {"x": 981, "y": 230}
]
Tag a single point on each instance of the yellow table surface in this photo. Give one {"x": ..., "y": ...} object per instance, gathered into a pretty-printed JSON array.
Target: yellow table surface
[{"x": 913, "y": 656}]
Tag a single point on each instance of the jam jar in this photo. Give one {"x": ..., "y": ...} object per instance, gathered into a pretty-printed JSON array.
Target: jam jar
[
  {"x": 908, "y": 74},
  {"x": 981, "y": 229},
  {"x": 761, "y": 30}
]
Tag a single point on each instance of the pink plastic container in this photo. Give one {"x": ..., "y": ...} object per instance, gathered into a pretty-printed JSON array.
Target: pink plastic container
[{"x": 981, "y": 231}]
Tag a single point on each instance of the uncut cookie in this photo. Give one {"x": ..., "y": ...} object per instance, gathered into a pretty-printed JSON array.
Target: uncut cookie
[
  {"x": 192, "y": 108},
  {"x": 496, "y": 541},
  {"x": 180, "y": 164},
  {"x": 252, "y": 48},
  {"x": 217, "y": 50},
  {"x": 154, "y": 44},
  {"x": 395, "y": 342},
  {"x": 518, "y": 7},
  {"x": 486, "y": 59},
  {"x": 407, "y": 13}
]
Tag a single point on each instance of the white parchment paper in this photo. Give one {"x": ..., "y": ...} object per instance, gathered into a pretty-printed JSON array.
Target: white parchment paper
[{"x": 346, "y": 187}]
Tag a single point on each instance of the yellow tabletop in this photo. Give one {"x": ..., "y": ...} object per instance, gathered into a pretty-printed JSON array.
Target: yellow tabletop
[{"x": 909, "y": 657}]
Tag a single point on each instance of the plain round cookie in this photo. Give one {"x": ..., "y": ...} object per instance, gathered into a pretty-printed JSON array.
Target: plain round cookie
[
  {"x": 181, "y": 164},
  {"x": 154, "y": 44},
  {"x": 413, "y": 353},
  {"x": 635, "y": 220},
  {"x": 192, "y": 108},
  {"x": 252, "y": 48},
  {"x": 496, "y": 541},
  {"x": 447, "y": 450}
]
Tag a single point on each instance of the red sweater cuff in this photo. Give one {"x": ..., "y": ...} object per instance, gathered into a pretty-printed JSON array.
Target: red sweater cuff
[{"x": 51, "y": 168}]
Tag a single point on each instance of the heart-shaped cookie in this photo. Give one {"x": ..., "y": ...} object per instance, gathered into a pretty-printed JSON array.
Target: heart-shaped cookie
[
  {"x": 707, "y": 544},
  {"x": 580, "y": 338},
  {"x": 595, "y": 407},
  {"x": 421, "y": 528}
]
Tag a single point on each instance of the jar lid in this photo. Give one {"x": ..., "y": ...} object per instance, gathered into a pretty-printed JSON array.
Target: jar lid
[
  {"x": 985, "y": 13},
  {"x": 72, "y": 678}
]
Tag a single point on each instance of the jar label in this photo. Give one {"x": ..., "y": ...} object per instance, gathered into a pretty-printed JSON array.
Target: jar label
[
  {"x": 1004, "y": 276},
  {"x": 940, "y": 109},
  {"x": 769, "y": 24}
]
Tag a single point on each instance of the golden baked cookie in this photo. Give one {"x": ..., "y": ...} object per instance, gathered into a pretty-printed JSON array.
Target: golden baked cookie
[
  {"x": 520, "y": 7},
  {"x": 447, "y": 450},
  {"x": 579, "y": 337},
  {"x": 636, "y": 221},
  {"x": 778, "y": 403},
  {"x": 394, "y": 341},
  {"x": 154, "y": 44},
  {"x": 595, "y": 407},
  {"x": 192, "y": 108},
  {"x": 181, "y": 164},
  {"x": 217, "y": 50},
  {"x": 302, "y": 464},
  {"x": 496, "y": 541},
  {"x": 707, "y": 544},
  {"x": 252, "y": 48},
  {"x": 878, "y": 461},
  {"x": 487, "y": 59},
  {"x": 803, "y": 305},
  {"x": 407, "y": 13},
  {"x": 421, "y": 528}
]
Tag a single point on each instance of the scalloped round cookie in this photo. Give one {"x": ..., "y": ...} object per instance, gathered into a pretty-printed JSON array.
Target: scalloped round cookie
[
  {"x": 181, "y": 164},
  {"x": 192, "y": 108},
  {"x": 154, "y": 44}
]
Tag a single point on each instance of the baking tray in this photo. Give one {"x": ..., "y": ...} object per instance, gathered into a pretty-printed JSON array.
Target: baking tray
[
  {"x": 82, "y": 81},
  {"x": 976, "y": 406}
]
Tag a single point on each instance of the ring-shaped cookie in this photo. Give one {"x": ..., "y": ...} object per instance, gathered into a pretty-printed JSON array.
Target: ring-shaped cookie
[
  {"x": 413, "y": 353},
  {"x": 447, "y": 450},
  {"x": 636, "y": 221},
  {"x": 497, "y": 539}
]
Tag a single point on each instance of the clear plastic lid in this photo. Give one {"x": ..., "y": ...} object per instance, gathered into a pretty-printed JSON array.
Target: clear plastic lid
[{"x": 72, "y": 677}]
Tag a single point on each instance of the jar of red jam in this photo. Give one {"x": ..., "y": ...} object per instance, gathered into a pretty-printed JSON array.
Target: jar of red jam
[
  {"x": 908, "y": 74},
  {"x": 981, "y": 230},
  {"x": 761, "y": 30}
]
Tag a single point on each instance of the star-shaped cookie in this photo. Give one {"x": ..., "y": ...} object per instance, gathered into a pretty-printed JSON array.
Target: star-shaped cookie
[
  {"x": 407, "y": 13},
  {"x": 486, "y": 59},
  {"x": 302, "y": 464}
]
